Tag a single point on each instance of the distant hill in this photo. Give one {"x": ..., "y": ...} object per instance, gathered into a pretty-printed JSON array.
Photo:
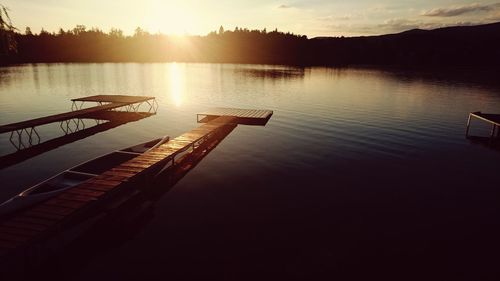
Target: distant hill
[{"x": 460, "y": 45}]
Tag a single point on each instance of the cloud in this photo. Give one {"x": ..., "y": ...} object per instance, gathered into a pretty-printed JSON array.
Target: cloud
[
  {"x": 397, "y": 25},
  {"x": 389, "y": 26},
  {"x": 284, "y": 6},
  {"x": 459, "y": 10},
  {"x": 494, "y": 17},
  {"x": 345, "y": 17},
  {"x": 400, "y": 25}
]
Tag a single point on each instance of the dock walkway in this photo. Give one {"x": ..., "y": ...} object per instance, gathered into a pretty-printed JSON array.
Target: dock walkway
[
  {"x": 81, "y": 113},
  {"x": 31, "y": 226},
  {"x": 105, "y": 103},
  {"x": 111, "y": 101},
  {"x": 132, "y": 102}
]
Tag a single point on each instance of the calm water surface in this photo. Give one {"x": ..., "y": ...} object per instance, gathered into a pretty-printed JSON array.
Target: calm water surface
[{"x": 358, "y": 172}]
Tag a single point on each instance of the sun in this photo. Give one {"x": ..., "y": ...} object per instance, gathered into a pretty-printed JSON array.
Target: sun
[{"x": 171, "y": 17}]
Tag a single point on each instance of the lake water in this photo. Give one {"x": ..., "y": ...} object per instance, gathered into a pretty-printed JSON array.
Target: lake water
[{"x": 359, "y": 172}]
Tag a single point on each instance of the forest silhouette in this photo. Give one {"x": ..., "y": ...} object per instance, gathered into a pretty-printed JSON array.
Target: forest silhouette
[{"x": 452, "y": 46}]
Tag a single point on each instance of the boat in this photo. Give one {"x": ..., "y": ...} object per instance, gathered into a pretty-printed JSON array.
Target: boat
[{"x": 75, "y": 176}]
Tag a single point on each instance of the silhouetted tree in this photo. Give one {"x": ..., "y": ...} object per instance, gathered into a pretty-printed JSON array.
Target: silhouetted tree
[
  {"x": 79, "y": 29},
  {"x": 114, "y": 32},
  {"x": 44, "y": 32},
  {"x": 28, "y": 31},
  {"x": 8, "y": 44},
  {"x": 139, "y": 32}
]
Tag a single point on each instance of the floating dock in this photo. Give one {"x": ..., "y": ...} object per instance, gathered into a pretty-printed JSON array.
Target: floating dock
[
  {"x": 131, "y": 102},
  {"x": 105, "y": 103},
  {"x": 20, "y": 233},
  {"x": 245, "y": 116},
  {"x": 114, "y": 119},
  {"x": 493, "y": 119},
  {"x": 112, "y": 102}
]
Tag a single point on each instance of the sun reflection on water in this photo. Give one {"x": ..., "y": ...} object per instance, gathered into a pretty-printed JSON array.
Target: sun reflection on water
[{"x": 177, "y": 82}]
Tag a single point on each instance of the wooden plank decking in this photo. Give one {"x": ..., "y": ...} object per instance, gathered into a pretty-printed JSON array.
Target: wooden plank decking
[
  {"x": 114, "y": 118},
  {"x": 81, "y": 113},
  {"x": 243, "y": 116},
  {"x": 40, "y": 221},
  {"x": 115, "y": 101}
]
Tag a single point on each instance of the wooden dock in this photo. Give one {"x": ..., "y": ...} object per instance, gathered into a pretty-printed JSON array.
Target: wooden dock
[
  {"x": 81, "y": 113},
  {"x": 114, "y": 119},
  {"x": 23, "y": 231},
  {"x": 113, "y": 102},
  {"x": 132, "y": 102},
  {"x": 493, "y": 119},
  {"x": 114, "y": 99},
  {"x": 105, "y": 103},
  {"x": 244, "y": 116}
]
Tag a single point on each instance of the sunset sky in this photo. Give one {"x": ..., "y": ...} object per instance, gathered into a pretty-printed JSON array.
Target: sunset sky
[{"x": 311, "y": 17}]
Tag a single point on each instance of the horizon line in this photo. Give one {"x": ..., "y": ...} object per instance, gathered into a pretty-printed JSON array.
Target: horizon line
[{"x": 236, "y": 28}]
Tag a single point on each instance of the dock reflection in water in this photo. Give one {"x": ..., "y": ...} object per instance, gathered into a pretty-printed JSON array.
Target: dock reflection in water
[
  {"x": 104, "y": 121},
  {"x": 107, "y": 110}
]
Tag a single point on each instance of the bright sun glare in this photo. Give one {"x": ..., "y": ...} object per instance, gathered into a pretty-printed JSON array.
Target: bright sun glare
[{"x": 171, "y": 18}]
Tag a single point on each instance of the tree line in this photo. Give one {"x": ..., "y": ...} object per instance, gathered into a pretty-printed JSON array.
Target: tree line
[
  {"x": 453, "y": 46},
  {"x": 94, "y": 45}
]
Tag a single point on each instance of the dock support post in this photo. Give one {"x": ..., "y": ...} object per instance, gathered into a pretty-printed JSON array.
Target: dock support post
[
  {"x": 493, "y": 130},
  {"x": 468, "y": 126}
]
